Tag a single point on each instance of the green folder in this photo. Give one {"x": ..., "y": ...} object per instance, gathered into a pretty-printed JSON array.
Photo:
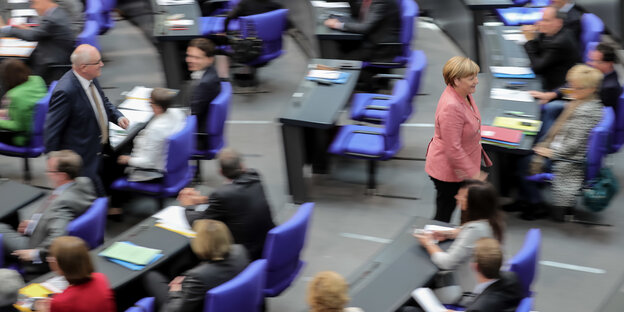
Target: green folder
[{"x": 130, "y": 253}]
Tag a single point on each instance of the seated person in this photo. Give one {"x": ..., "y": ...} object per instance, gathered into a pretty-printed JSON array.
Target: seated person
[
  {"x": 71, "y": 197},
  {"x": 11, "y": 284},
  {"x": 479, "y": 202},
  {"x": 328, "y": 291},
  {"x": 240, "y": 203},
  {"x": 88, "y": 291},
  {"x": 75, "y": 10},
  {"x": 602, "y": 58},
  {"x": 221, "y": 261},
  {"x": 379, "y": 21},
  {"x": 205, "y": 83},
  {"x": 54, "y": 35},
  {"x": 552, "y": 49},
  {"x": 24, "y": 91},
  {"x": 496, "y": 291},
  {"x": 564, "y": 147},
  {"x": 572, "y": 20}
]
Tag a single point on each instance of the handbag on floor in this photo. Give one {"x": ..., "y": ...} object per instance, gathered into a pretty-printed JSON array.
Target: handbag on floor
[{"x": 600, "y": 190}]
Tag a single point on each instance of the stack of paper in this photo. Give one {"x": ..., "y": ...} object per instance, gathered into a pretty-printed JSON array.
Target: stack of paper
[
  {"x": 16, "y": 47},
  {"x": 174, "y": 2},
  {"x": 501, "y": 136},
  {"x": 512, "y": 72},
  {"x": 174, "y": 219},
  {"x": 328, "y": 75},
  {"x": 140, "y": 93},
  {"x": 130, "y": 255},
  {"x": 332, "y": 5},
  {"x": 427, "y": 300},
  {"x": 511, "y": 95},
  {"x": 528, "y": 126}
]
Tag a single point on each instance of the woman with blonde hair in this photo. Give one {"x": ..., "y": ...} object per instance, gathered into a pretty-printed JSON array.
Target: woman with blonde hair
[
  {"x": 88, "y": 291},
  {"x": 328, "y": 292},
  {"x": 220, "y": 261},
  {"x": 455, "y": 152}
]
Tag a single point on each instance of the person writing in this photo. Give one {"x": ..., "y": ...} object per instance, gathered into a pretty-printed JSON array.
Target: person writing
[
  {"x": 455, "y": 152},
  {"x": 479, "y": 201}
]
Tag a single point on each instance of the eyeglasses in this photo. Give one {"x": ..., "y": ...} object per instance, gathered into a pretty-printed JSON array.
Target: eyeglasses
[{"x": 96, "y": 63}]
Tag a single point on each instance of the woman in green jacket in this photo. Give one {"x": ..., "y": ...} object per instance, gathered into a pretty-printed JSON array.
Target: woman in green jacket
[{"x": 24, "y": 91}]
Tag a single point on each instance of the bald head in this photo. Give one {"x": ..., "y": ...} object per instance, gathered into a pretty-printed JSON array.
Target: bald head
[{"x": 87, "y": 61}]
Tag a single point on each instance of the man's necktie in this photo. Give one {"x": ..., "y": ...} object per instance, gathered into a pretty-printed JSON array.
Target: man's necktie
[
  {"x": 102, "y": 120},
  {"x": 364, "y": 9}
]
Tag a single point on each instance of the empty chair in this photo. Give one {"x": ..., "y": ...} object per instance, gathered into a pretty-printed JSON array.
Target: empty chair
[
  {"x": 144, "y": 305},
  {"x": 215, "y": 125},
  {"x": 524, "y": 262},
  {"x": 370, "y": 143},
  {"x": 179, "y": 173},
  {"x": 90, "y": 226},
  {"x": 242, "y": 293},
  {"x": 375, "y": 107},
  {"x": 35, "y": 146},
  {"x": 591, "y": 29},
  {"x": 282, "y": 250}
]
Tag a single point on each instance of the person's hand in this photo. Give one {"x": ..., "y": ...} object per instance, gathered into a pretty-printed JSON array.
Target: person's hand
[
  {"x": 42, "y": 304},
  {"x": 333, "y": 23},
  {"x": 544, "y": 97},
  {"x": 529, "y": 32},
  {"x": 123, "y": 159},
  {"x": 425, "y": 239},
  {"x": 190, "y": 196},
  {"x": 441, "y": 236},
  {"x": 21, "y": 228},
  {"x": 176, "y": 284},
  {"x": 24, "y": 254},
  {"x": 543, "y": 151},
  {"x": 481, "y": 176},
  {"x": 123, "y": 122}
]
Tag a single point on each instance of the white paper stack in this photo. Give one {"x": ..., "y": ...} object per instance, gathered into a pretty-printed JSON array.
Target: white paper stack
[
  {"x": 511, "y": 95},
  {"x": 174, "y": 219}
]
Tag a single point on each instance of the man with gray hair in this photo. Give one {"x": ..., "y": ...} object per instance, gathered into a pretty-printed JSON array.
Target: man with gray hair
[
  {"x": 79, "y": 113},
  {"x": 9, "y": 288},
  {"x": 54, "y": 35}
]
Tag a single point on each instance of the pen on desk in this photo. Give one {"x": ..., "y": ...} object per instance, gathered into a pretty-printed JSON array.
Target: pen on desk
[{"x": 519, "y": 114}]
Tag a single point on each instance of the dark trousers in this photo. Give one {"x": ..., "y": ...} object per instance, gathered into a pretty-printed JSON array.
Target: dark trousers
[
  {"x": 156, "y": 285},
  {"x": 445, "y": 199}
]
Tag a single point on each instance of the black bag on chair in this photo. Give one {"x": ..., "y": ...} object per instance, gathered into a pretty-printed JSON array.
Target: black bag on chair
[
  {"x": 600, "y": 191},
  {"x": 245, "y": 48}
]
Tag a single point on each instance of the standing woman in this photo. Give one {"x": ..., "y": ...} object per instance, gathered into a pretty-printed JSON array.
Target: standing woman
[{"x": 455, "y": 152}]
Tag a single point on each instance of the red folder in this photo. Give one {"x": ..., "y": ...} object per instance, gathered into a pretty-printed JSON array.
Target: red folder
[{"x": 503, "y": 135}]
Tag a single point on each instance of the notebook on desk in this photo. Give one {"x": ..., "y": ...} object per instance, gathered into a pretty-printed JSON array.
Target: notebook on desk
[
  {"x": 501, "y": 135},
  {"x": 528, "y": 126}
]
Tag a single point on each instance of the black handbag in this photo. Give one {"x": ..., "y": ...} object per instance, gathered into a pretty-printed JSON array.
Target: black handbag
[
  {"x": 600, "y": 190},
  {"x": 245, "y": 48}
]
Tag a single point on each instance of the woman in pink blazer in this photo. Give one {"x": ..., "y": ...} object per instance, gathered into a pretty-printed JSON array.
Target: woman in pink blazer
[{"x": 455, "y": 153}]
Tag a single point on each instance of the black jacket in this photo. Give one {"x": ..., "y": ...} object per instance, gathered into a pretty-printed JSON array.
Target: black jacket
[
  {"x": 573, "y": 21},
  {"x": 243, "y": 207},
  {"x": 205, "y": 276},
  {"x": 610, "y": 90},
  {"x": 250, "y": 7},
  {"x": 552, "y": 57},
  {"x": 202, "y": 95},
  {"x": 503, "y": 295}
]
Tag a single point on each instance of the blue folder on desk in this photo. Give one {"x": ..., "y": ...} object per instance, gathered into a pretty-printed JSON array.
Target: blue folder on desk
[
  {"x": 525, "y": 76},
  {"x": 132, "y": 266}
]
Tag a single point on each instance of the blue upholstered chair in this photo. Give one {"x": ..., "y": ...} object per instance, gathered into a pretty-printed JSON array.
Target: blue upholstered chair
[
  {"x": 35, "y": 146},
  {"x": 409, "y": 12},
  {"x": 591, "y": 29},
  {"x": 242, "y": 293},
  {"x": 524, "y": 262},
  {"x": 179, "y": 172},
  {"x": 215, "y": 125},
  {"x": 282, "y": 250},
  {"x": 525, "y": 305},
  {"x": 146, "y": 304},
  {"x": 89, "y": 34},
  {"x": 516, "y": 16},
  {"x": 100, "y": 12},
  {"x": 269, "y": 27},
  {"x": 374, "y": 108},
  {"x": 90, "y": 226},
  {"x": 370, "y": 143},
  {"x": 617, "y": 139}
]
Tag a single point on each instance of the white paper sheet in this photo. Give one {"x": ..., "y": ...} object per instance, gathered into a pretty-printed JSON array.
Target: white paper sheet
[
  {"x": 174, "y": 2},
  {"x": 137, "y": 116},
  {"x": 140, "y": 92},
  {"x": 23, "y": 12},
  {"x": 433, "y": 227},
  {"x": 331, "y": 5},
  {"x": 174, "y": 217},
  {"x": 511, "y": 95},
  {"x": 18, "y": 1},
  {"x": 15, "y": 42},
  {"x": 14, "y": 51},
  {"x": 511, "y": 70},
  {"x": 139, "y": 105},
  {"x": 518, "y": 38},
  {"x": 427, "y": 300},
  {"x": 56, "y": 284}
]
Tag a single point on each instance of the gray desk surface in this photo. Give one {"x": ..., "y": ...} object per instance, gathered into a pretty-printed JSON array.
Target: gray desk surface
[
  {"x": 318, "y": 106},
  {"x": 385, "y": 282},
  {"x": 15, "y": 196},
  {"x": 325, "y": 33},
  {"x": 143, "y": 234},
  {"x": 190, "y": 11},
  {"x": 488, "y": 4}
]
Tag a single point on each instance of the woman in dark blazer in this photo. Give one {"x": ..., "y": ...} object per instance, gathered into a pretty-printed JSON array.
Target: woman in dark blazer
[
  {"x": 221, "y": 261},
  {"x": 455, "y": 152}
]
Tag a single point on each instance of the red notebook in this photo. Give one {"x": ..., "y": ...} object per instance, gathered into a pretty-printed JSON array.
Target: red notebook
[{"x": 503, "y": 135}]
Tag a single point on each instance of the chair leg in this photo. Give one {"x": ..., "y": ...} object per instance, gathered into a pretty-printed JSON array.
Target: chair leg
[
  {"x": 27, "y": 176},
  {"x": 197, "y": 178},
  {"x": 372, "y": 167}
]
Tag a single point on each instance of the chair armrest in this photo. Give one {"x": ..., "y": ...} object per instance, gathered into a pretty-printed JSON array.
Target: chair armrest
[
  {"x": 362, "y": 155},
  {"x": 381, "y": 97},
  {"x": 377, "y": 107},
  {"x": 367, "y": 132},
  {"x": 390, "y": 44},
  {"x": 387, "y": 76}
]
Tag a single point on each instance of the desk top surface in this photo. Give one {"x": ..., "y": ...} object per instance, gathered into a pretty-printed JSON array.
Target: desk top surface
[
  {"x": 189, "y": 12},
  {"x": 15, "y": 196},
  {"x": 385, "y": 282},
  {"x": 318, "y": 106},
  {"x": 488, "y": 4},
  {"x": 325, "y": 33}
]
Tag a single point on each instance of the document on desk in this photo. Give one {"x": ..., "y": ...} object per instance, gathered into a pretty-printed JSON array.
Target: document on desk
[
  {"x": 140, "y": 93},
  {"x": 427, "y": 300},
  {"x": 174, "y": 219},
  {"x": 23, "y": 12},
  {"x": 56, "y": 284},
  {"x": 174, "y": 2},
  {"x": 130, "y": 253},
  {"x": 511, "y": 95},
  {"x": 518, "y": 38},
  {"x": 17, "y": 1},
  {"x": 330, "y": 5},
  {"x": 137, "y": 115},
  {"x": 137, "y": 105},
  {"x": 512, "y": 72}
]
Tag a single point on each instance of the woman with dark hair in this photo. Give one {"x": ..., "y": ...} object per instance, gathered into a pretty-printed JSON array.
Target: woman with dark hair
[
  {"x": 87, "y": 291},
  {"x": 478, "y": 200},
  {"x": 23, "y": 92}
]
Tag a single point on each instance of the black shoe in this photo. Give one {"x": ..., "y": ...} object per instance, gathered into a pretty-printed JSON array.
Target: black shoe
[
  {"x": 534, "y": 212},
  {"x": 558, "y": 214},
  {"x": 115, "y": 217}
]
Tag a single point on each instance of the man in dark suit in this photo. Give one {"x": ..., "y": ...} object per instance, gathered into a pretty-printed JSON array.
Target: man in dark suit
[
  {"x": 552, "y": 50},
  {"x": 240, "y": 203},
  {"x": 572, "y": 20},
  {"x": 72, "y": 196},
  {"x": 200, "y": 56},
  {"x": 54, "y": 35},
  {"x": 79, "y": 113},
  {"x": 379, "y": 21}
]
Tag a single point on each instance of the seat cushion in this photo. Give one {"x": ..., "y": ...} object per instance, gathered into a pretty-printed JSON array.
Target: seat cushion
[
  {"x": 349, "y": 141},
  {"x": 361, "y": 113}
]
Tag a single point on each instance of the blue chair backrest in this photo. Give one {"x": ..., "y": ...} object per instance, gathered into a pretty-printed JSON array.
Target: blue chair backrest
[
  {"x": 591, "y": 29},
  {"x": 41, "y": 109},
  {"x": 90, "y": 31},
  {"x": 401, "y": 95},
  {"x": 181, "y": 147},
  {"x": 269, "y": 27},
  {"x": 146, "y": 304},
  {"x": 415, "y": 70},
  {"x": 392, "y": 123},
  {"x": 540, "y": 3},
  {"x": 219, "y": 108},
  {"x": 524, "y": 263},
  {"x": 242, "y": 293},
  {"x": 618, "y": 126},
  {"x": 409, "y": 11},
  {"x": 90, "y": 226},
  {"x": 599, "y": 143},
  {"x": 525, "y": 305},
  {"x": 282, "y": 249}
]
